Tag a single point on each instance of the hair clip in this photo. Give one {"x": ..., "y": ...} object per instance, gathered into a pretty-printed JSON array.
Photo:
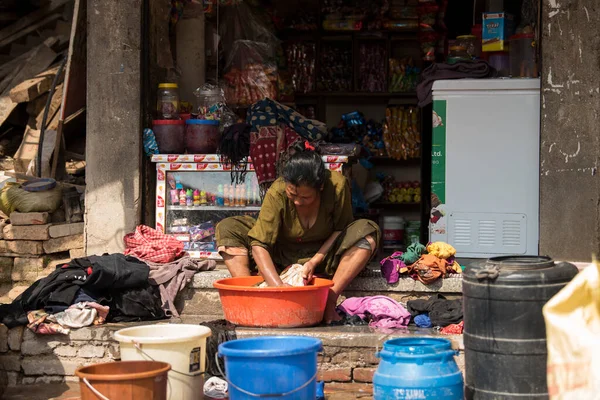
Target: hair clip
[{"x": 307, "y": 146}]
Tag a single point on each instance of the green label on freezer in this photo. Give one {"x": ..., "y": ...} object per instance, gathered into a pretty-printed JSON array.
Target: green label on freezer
[{"x": 438, "y": 153}]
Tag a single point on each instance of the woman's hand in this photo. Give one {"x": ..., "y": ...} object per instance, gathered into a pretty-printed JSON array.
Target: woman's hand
[{"x": 308, "y": 270}]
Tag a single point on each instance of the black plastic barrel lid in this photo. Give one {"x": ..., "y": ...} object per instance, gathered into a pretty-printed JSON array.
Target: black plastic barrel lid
[{"x": 519, "y": 268}]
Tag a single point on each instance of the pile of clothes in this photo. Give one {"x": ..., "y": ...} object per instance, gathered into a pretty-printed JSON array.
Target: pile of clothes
[
  {"x": 426, "y": 264},
  {"x": 385, "y": 313},
  {"x": 139, "y": 285}
]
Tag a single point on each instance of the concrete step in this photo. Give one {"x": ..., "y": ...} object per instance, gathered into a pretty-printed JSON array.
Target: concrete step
[
  {"x": 348, "y": 356},
  {"x": 201, "y": 299}
]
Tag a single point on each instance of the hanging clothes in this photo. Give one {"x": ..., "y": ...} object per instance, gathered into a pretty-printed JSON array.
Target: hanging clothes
[
  {"x": 382, "y": 311},
  {"x": 171, "y": 278}
]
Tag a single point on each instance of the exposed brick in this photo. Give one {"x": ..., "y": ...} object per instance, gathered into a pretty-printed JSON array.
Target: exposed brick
[
  {"x": 335, "y": 375},
  {"x": 355, "y": 358},
  {"x": 113, "y": 351},
  {"x": 13, "y": 378},
  {"x": 363, "y": 374},
  {"x": 48, "y": 366},
  {"x": 32, "y": 269},
  {"x": 6, "y": 265},
  {"x": 35, "y": 348},
  {"x": 11, "y": 362},
  {"x": 90, "y": 351},
  {"x": 57, "y": 231},
  {"x": 3, "y": 338},
  {"x": 27, "y": 247},
  {"x": 15, "y": 338},
  {"x": 26, "y": 232},
  {"x": 81, "y": 334},
  {"x": 63, "y": 244},
  {"x": 18, "y": 218},
  {"x": 66, "y": 351},
  {"x": 45, "y": 380},
  {"x": 16, "y": 291},
  {"x": 77, "y": 253},
  {"x": 3, "y": 223}
]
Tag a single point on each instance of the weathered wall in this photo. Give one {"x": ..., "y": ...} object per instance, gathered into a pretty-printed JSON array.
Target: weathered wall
[
  {"x": 113, "y": 123},
  {"x": 569, "y": 182}
]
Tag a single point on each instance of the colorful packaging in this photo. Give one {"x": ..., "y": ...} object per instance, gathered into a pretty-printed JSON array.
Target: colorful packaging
[
  {"x": 202, "y": 231},
  {"x": 497, "y": 28}
]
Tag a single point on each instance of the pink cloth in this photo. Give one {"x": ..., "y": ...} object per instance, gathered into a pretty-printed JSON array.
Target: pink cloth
[{"x": 383, "y": 311}]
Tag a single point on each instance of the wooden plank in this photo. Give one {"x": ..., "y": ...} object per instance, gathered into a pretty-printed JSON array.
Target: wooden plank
[
  {"x": 32, "y": 88},
  {"x": 10, "y": 66},
  {"x": 33, "y": 65},
  {"x": 29, "y": 29},
  {"x": 54, "y": 106},
  {"x": 7, "y": 106},
  {"x": 31, "y": 18},
  {"x": 74, "y": 92},
  {"x": 36, "y": 106}
]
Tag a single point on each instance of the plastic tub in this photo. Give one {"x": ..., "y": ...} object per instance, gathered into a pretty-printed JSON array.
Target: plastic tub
[
  {"x": 422, "y": 368},
  {"x": 170, "y": 135},
  {"x": 393, "y": 231},
  {"x": 272, "y": 307},
  {"x": 283, "y": 367},
  {"x": 138, "y": 379},
  {"x": 183, "y": 346},
  {"x": 202, "y": 136},
  {"x": 522, "y": 56}
]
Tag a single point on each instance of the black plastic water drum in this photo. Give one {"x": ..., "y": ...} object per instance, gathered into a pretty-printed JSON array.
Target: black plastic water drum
[{"x": 505, "y": 333}]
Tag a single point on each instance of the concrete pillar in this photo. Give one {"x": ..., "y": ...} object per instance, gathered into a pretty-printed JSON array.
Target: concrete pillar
[
  {"x": 570, "y": 144},
  {"x": 114, "y": 127}
]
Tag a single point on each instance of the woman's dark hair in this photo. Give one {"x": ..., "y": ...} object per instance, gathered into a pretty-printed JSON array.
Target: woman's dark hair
[{"x": 305, "y": 168}]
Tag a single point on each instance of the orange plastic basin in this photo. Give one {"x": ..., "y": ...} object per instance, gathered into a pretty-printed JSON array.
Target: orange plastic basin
[{"x": 272, "y": 307}]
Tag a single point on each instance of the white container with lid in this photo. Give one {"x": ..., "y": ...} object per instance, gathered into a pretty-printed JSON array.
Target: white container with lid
[{"x": 393, "y": 231}]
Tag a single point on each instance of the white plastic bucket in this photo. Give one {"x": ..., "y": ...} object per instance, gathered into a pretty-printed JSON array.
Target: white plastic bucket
[
  {"x": 182, "y": 346},
  {"x": 393, "y": 231}
]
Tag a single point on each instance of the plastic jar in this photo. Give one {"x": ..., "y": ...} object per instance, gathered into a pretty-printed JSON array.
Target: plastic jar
[
  {"x": 202, "y": 136},
  {"x": 208, "y": 100},
  {"x": 413, "y": 232},
  {"x": 469, "y": 42},
  {"x": 522, "y": 56},
  {"x": 393, "y": 231},
  {"x": 458, "y": 53},
  {"x": 167, "y": 105},
  {"x": 170, "y": 135}
]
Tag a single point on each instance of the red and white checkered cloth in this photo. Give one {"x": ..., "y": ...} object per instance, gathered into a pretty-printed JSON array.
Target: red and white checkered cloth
[{"x": 148, "y": 244}]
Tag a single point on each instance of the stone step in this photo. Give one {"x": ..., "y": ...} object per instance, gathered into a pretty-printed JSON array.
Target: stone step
[
  {"x": 348, "y": 356},
  {"x": 200, "y": 298}
]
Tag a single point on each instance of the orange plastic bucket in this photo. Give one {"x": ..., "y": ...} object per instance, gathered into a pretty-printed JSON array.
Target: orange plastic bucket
[
  {"x": 124, "y": 380},
  {"x": 272, "y": 307}
]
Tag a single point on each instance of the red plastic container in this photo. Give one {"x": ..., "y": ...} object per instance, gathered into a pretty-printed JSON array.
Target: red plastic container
[
  {"x": 272, "y": 307},
  {"x": 170, "y": 135},
  {"x": 202, "y": 136}
]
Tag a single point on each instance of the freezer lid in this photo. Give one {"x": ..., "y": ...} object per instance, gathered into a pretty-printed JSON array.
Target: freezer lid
[{"x": 486, "y": 84}]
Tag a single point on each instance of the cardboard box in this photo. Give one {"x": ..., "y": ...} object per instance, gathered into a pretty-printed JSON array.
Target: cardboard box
[{"x": 497, "y": 28}]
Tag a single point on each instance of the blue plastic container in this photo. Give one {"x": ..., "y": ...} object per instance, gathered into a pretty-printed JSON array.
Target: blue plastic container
[
  {"x": 272, "y": 367},
  {"x": 417, "y": 369}
]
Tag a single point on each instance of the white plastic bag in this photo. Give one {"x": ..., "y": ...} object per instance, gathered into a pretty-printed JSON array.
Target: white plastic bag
[{"x": 573, "y": 338}]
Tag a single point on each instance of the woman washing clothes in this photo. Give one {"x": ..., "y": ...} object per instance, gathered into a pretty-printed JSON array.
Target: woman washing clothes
[{"x": 306, "y": 218}]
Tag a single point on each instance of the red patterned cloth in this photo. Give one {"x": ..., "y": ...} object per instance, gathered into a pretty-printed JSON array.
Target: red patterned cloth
[
  {"x": 454, "y": 329},
  {"x": 267, "y": 148},
  {"x": 148, "y": 244}
]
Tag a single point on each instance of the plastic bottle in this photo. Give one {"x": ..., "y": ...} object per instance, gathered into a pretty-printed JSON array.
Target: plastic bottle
[
  {"x": 189, "y": 197},
  {"x": 220, "y": 201},
  {"x": 232, "y": 196},
  {"x": 226, "y": 196},
  {"x": 196, "y": 197},
  {"x": 203, "y": 200},
  {"x": 182, "y": 197}
]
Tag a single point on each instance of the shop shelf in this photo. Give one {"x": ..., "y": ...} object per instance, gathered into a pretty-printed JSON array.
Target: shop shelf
[
  {"x": 211, "y": 208},
  {"x": 397, "y": 206},
  {"x": 359, "y": 94},
  {"x": 383, "y": 161}
]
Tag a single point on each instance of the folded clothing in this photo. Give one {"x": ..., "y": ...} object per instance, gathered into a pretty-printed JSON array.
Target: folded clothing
[{"x": 382, "y": 311}]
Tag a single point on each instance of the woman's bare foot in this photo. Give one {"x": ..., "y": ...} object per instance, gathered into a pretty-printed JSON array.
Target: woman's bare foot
[{"x": 331, "y": 315}]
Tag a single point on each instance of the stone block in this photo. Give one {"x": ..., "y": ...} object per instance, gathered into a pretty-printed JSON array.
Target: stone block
[
  {"x": 335, "y": 375},
  {"x": 77, "y": 253},
  {"x": 16, "y": 291},
  {"x": 113, "y": 351},
  {"x": 62, "y": 230},
  {"x": 6, "y": 265},
  {"x": 66, "y": 351},
  {"x": 18, "y": 218},
  {"x": 91, "y": 351},
  {"x": 47, "y": 380},
  {"x": 363, "y": 374},
  {"x": 32, "y": 269},
  {"x": 15, "y": 338},
  {"x": 13, "y": 378},
  {"x": 34, "y": 366},
  {"x": 82, "y": 334},
  {"x": 3, "y": 223},
  {"x": 11, "y": 362},
  {"x": 26, "y": 232},
  {"x": 27, "y": 247},
  {"x": 3, "y": 338},
  {"x": 63, "y": 244},
  {"x": 35, "y": 348}
]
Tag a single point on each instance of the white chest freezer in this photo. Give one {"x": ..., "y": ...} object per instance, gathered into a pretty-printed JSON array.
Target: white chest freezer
[{"x": 485, "y": 166}]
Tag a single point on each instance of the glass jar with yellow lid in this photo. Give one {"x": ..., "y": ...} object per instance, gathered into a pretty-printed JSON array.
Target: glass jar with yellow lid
[
  {"x": 471, "y": 45},
  {"x": 168, "y": 101}
]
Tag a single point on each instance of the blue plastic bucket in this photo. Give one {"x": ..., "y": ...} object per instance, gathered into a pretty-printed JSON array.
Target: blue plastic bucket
[
  {"x": 272, "y": 367},
  {"x": 417, "y": 369}
]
